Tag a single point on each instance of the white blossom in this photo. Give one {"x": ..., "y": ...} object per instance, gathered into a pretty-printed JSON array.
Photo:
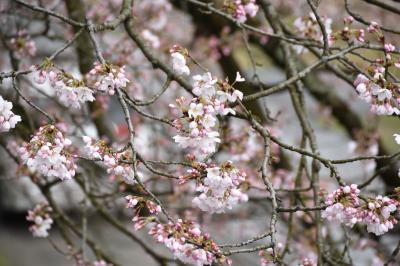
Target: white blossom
[
  {"x": 179, "y": 64},
  {"x": 8, "y": 119}
]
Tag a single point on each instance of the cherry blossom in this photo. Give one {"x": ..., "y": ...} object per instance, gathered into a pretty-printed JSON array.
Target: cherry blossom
[
  {"x": 22, "y": 45},
  {"x": 138, "y": 203},
  {"x": 219, "y": 189},
  {"x": 196, "y": 128},
  {"x": 187, "y": 243},
  {"x": 179, "y": 64},
  {"x": 42, "y": 221},
  {"x": 239, "y": 78},
  {"x": 107, "y": 78},
  {"x": 184, "y": 149},
  {"x": 110, "y": 159},
  {"x": 70, "y": 91},
  {"x": 379, "y": 213},
  {"x": 378, "y": 92},
  {"x": 204, "y": 85},
  {"x": 8, "y": 119},
  {"x": 240, "y": 9},
  {"x": 342, "y": 205},
  {"x": 46, "y": 154},
  {"x": 250, "y": 7}
]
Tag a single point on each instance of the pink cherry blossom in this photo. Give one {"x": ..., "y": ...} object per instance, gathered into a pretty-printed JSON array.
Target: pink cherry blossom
[
  {"x": 42, "y": 221},
  {"x": 8, "y": 119},
  {"x": 46, "y": 154}
]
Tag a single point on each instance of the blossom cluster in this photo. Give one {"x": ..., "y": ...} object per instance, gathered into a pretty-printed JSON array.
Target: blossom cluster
[
  {"x": 343, "y": 205},
  {"x": 107, "y": 78},
  {"x": 307, "y": 27},
  {"x": 378, "y": 214},
  {"x": 22, "y": 45},
  {"x": 46, "y": 154},
  {"x": 42, "y": 221},
  {"x": 70, "y": 91},
  {"x": 241, "y": 9},
  {"x": 219, "y": 189},
  {"x": 197, "y": 126},
  {"x": 8, "y": 119},
  {"x": 380, "y": 93},
  {"x": 110, "y": 159},
  {"x": 183, "y": 238},
  {"x": 187, "y": 243},
  {"x": 376, "y": 88},
  {"x": 138, "y": 203}
]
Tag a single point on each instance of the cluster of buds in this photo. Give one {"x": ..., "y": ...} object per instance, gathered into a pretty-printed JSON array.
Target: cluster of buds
[
  {"x": 219, "y": 190},
  {"x": 343, "y": 206},
  {"x": 40, "y": 216},
  {"x": 183, "y": 238},
  {"x": 192, "y": 173},
  {"x": 108, "y": 78},
  {"x": 111, "y": 160},
  {"x": 348, "y": 34},
  {"x": 378, "y": 214},
  {"x": 187, "y": 243},
  {"x": 241, "y": 9},
  {"x": 71, "y": 92},
  {"x": 307, "y": 27},
  {"x": 138, "y": 204},
  {"x": 22, "y": 45},
  {"x": 380, "y": 93},
  {"x": 8, "y": 119},
  {"x": 376, "y": 88},
  {"x": 46, "y": 154}
]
